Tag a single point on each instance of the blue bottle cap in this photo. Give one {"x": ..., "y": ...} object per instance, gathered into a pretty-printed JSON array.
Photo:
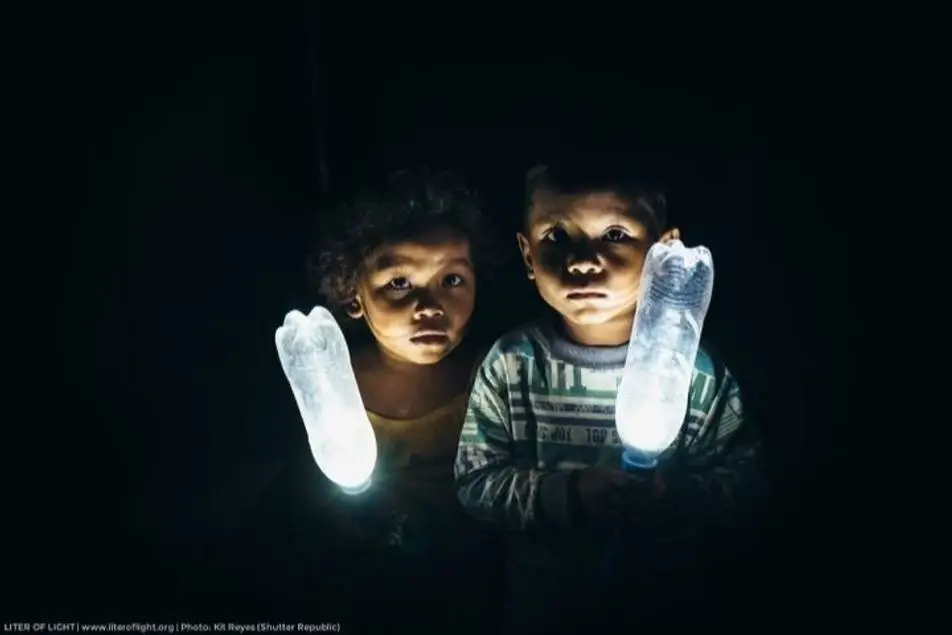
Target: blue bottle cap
[{"x": 634, "y": 461}]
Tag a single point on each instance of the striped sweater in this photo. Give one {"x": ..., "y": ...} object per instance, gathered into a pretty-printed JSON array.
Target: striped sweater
[{"x": 542, "y": 406}]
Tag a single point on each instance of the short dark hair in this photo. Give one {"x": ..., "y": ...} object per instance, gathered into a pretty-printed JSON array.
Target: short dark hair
[
  {"x": 632, "y": 182},
  {"x": 410, "y": 202}
]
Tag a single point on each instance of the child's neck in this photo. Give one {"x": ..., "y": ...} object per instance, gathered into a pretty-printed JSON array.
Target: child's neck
[
  {"x": 398, "y": 389},
  {"x": 393, "y": 365},
  {"x": 615, "y": 332}
]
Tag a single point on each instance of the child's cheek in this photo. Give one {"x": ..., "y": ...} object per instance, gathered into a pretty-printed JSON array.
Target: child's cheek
[
  {"x": 387, "y": 303},
  {"x": 624, "y": 266},
  {"x": 551, "y": 261},
  {"x": 389, "y": 314},
  {"x": 461, "y": 308}
]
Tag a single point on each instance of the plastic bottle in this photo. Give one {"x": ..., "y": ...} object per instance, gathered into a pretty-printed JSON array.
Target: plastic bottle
[
  {"x": 675, "y": 293},
  {"x": 316, "y": 362}
]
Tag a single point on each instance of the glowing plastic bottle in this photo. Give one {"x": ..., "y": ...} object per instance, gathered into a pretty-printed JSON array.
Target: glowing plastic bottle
[
  {"x": 316, "y": 361},
  {"x": 675, "y": 293}
]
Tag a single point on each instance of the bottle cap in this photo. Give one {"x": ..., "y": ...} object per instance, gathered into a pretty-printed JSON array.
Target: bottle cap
[{"x": 633, "y": 461}]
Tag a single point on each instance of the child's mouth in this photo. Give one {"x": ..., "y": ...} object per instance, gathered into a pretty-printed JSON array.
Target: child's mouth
[
  {"x": 585, "y": 295},
  {"x": 429, "y": 338}
]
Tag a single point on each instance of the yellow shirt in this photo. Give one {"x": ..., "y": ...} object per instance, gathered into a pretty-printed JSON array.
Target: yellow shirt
[
  {"x": 432, "y": 437},
  {"x": 414, "y": 488},
  {"x": 415, "y": 458},
  {"x": 414, "y": 476}
]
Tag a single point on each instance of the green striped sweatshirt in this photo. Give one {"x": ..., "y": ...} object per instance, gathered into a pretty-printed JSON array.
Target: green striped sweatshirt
[{"x": 542, "y": 406}]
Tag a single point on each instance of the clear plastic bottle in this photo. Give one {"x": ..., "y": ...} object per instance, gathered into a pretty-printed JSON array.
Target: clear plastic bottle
[
  {"x": 316, "y": 362},
  {"x": 676, "y": 287}
]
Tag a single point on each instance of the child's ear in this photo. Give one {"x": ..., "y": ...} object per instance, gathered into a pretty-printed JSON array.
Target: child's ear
[
  {"x": 355, "y": 309},
  {"x": 526, "y": 252},
  {"x": 672, "y": 234}
]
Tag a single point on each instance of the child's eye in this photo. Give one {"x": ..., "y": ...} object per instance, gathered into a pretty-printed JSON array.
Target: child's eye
[
  {"x": 399, "y": 284},
  {"x": 555, "y": 235},
  {"x": 615, "y": 235},
  {"x": 453, "y": 280}
]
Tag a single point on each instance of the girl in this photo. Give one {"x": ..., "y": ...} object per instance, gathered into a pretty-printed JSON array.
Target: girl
[{"x": 401, "y": 270}]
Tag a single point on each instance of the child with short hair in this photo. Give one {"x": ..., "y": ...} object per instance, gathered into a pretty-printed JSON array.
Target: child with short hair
[{"x": 539, "y": 452}]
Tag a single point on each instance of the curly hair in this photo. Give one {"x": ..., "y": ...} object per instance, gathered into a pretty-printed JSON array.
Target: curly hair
[{"x": 411, "y": 202}]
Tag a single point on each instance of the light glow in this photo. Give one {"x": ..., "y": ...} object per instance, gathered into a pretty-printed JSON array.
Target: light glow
[
  {"x": 676, "y": 287},
  {"x": 316, "y": 362}
]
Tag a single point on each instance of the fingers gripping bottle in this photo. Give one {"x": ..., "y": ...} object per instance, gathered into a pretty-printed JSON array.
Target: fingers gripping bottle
[
  {"x": 675, "y": 293},
  {"x": 316, "y": 362}
]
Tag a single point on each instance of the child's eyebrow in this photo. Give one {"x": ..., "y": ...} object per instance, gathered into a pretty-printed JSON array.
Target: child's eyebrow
[{"x": 612, "y": 216}]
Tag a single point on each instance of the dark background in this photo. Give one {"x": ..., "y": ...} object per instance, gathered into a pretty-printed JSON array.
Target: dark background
[{"x": 204, "y": 136}]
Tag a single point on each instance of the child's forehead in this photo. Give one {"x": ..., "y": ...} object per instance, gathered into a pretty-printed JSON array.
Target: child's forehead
[
  {"x": 549, "y": 206},
  {"x": 434, "y": 249}
]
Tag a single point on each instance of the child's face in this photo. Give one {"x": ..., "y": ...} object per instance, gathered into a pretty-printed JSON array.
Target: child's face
[
  {"x": 418, "y": 296},
  {"x": 585, "y": 254}
]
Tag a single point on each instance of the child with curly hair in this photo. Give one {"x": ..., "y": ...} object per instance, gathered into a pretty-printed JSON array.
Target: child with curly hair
[{"x": 401, "y": 270}]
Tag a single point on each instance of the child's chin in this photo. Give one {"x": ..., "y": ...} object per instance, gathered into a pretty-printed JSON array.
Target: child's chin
[
  {"x": 588, "y": 316},
  {"x": 429, "y": 355}
]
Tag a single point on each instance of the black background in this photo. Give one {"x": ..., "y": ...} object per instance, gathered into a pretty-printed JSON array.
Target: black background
[{"x": 203, "y": 135}]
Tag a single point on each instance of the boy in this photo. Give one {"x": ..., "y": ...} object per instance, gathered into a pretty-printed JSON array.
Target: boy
[{"x": 539, "y": 452}]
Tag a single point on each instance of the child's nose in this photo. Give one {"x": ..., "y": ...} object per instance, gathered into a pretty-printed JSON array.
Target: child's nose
[
  {"x": 585, "y": 265},
  {"x": 427, "y": 303},
  {"x": 427, "y": 307},
  {"x": 428, "y": 311}
]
